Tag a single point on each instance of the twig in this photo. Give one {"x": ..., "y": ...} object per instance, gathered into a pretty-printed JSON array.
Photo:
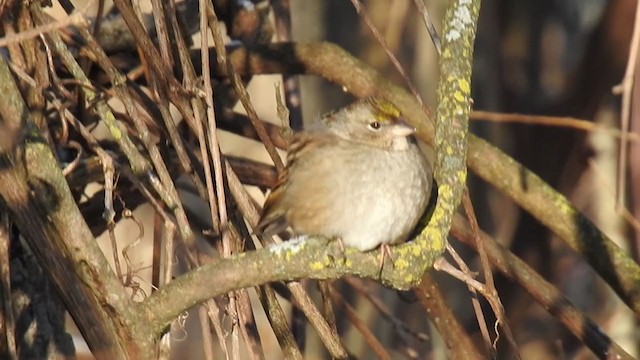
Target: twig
[
  {"x": 7, "y": 321},
  {"x": 458, "y": 342},
  {"x": 562, "y": 121},
  {"x": 278, "y": 322},
  {"x": 559, "y": 121},
  {"x": 247, "y": 323},
  {"x": 76, "y": 160},
  {"x": 76, "y": 19},
  {"x": 464, "y": 275},
  {"x": 162, "y": 31},
  {"x": 293, "y": 99},
  {"x": 361, "y": 326},
  {"x": 239, "y": 87},
  {"x": 624, "y": 212},
  {"x": 326, "y": 333},
  {"x": 361, "y": 11},
  {"x": 627, "y": 89},
  {"x": 327, "y": 305},
  {"x": 204, "y": 313},
  {"x": 545, "y": 293},
  {"x": 488, "y": 275},
  {"x": 240, "y": 124},
  {"x": 426, "y": 19},
  {"x": 167, "y": 239},
  {"x": 214, "y": 146},
  {"x": 379, "y": 304},
  {"x": 128, "y": 282}
]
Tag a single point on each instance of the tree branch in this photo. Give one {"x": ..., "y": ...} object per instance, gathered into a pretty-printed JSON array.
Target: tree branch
[{"x": 314, "y": 257}]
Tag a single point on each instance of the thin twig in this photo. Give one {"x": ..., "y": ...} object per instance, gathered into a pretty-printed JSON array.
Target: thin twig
[
  {"x": 129, "y": 282},
  {"x": 559, "y": 121},
  {"x": 7, "y": 325},
  {"x": 214, "y": 146},
  {"x": 326, "y": 333},
  {"x": 544, "y": 292},
  {"x": 379, "y": 304},
  {"x": 361, "y": 326},
  {"x": 487, "y": 272},
  {"x": 327, "y": 305},
  {"x": 204, "y": 313},
  {"x": 239, "y": 87},
  {"x": 361, "y": 11},
  {"x": 604, "y": 184},
  {"x": 458, "y": 342},
  {"x": 247, "y": 322},
  {"x": 76, "y": 160},
  {"x": 426, "y": 19},
  {"x": 163, "y": 254},
  {"x": 278, "y": 322},
  {"x": 463, "y": 275},
  {"x": 293, "y": 99},
  {"x": 627, "y": 89},
  {"x": 76, "y": 19}
]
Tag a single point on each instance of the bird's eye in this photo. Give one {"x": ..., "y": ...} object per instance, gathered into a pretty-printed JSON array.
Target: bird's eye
[{"x": 374, "y": 125}]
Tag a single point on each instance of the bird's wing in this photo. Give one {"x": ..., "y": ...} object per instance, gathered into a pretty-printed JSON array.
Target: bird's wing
[{"x": 272, "y": 220}]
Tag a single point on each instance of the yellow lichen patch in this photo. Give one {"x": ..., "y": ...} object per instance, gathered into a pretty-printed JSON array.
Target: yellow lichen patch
[
  {"x": 408, "y": 278},
  {"x": 350, "y": 250},
  {"x": 316, "y": 265},
  {"x": 417, "y": 250},
  {"x": 444, "y": 190},
  {"x": 451, "y": 79},
  {"x": 459, "y": 96},
  {"x": 438, "y": 244},
  {"x": 564, "y": 206},
  {"x": 115, "y": 132},
  {"x": 432, "y": 239},
  {"x": 401, "y": 263},
  {"x": 464, "y": 86}
]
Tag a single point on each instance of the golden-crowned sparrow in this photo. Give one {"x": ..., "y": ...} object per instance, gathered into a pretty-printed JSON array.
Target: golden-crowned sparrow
[{"x": 357, "y": 175}]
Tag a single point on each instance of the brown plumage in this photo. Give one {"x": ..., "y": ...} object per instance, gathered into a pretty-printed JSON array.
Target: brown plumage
[{"x": 357, "y": 175}]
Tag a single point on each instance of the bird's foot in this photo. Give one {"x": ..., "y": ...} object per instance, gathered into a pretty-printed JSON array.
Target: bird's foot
[
  {"x": 342, "y": 252},
  {"x": 385, "y": 251}
]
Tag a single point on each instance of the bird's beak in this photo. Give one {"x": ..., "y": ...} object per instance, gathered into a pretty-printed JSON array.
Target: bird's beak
[{"x": 403, "y": 129}]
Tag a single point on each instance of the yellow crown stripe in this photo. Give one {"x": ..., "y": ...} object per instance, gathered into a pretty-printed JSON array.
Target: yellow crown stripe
[{"x": 385, "y": 109}]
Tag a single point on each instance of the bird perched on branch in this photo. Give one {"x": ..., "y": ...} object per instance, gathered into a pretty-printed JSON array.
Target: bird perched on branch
[{"x": 357, "y": 175}]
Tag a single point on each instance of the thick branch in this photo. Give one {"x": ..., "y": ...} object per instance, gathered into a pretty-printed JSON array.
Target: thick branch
[
  {"x": 315, "y": 258},
  {"x": 452, "y": 123}
]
